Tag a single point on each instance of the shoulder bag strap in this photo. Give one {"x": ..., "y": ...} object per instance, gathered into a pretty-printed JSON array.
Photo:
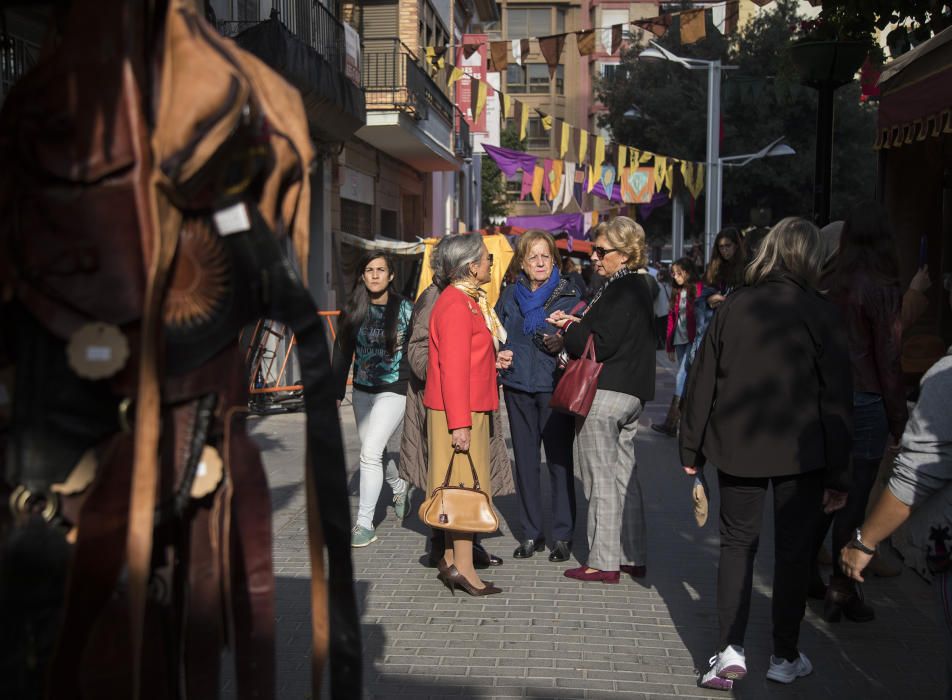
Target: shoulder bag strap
[{"x": 449, "y": 471}]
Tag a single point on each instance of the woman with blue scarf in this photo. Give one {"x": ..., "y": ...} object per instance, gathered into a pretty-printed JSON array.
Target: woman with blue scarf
[{"x": 527, "y": 387}]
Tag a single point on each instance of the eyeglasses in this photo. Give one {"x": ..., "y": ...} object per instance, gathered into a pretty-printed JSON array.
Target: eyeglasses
[{"x": 602, "y": 252}]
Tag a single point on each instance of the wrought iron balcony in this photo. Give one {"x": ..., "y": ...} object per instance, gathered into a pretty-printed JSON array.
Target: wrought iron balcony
[{"x": 395, "y": 78}]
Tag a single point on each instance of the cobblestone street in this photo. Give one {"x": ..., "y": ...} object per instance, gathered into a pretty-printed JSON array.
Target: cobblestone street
[{"x": 550, "y": 637}]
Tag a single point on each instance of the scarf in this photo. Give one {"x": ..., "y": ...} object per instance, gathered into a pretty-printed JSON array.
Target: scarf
[
  {"x": 623, "y": 271},
  {"x": 478, "y": 294},
  {"x": 532, "y": 304}
]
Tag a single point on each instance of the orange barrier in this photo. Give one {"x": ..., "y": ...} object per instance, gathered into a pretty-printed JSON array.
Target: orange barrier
[{"x": 268, "y": 365}]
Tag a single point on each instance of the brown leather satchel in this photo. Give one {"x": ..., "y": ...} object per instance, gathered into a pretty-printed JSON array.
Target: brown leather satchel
[
  {"x": 575, "y": 391},
  {"x": 459, "y": 508}
]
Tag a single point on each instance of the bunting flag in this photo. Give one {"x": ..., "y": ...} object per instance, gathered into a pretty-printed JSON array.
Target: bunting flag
[
  {"x": 616, "y": 37},
  {"x": 694, "y": 178},
  {"x": 660, "y": 170},
  {"x": 599, "y": 155},
  {"x": 527, "y": 176},
  {"x": 590, "y": 185},
  {"x": 692, "y": 26},
  {"x": 556, "y": 175},
  {"x": 622, "y": 157},
  {"x": 568, "y": 187},
  {"x": 669, "y": 178},
  {"x": 506, "y": 107},
  {"x": 479, "y": 98},
  {"x": 566, "y": 136},
  {"x": 523, "y": 120},
  {"x": 546, "y": 120},
  {"x": 434, "y": 56},
  {"x": 537, "y": 174},
  {"x": 646, "y": 156},
  {"x": 582, "y": 149},
  {"x": 520, "y": 50},
  {"x": 547, "y": 178},
  {"x": 499, "y": 51},
  {"x": 656, "y": 25},
  {"x": 551, "y": 48},
  {"x": 585, "y": 41},
  {"x": 455, "y": 74},
  {"x": 469, "y": 50},
  {"x": 608, "y": 178}
]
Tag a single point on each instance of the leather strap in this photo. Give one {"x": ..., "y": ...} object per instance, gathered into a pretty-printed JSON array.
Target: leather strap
[{"x": 449, "y": 471}]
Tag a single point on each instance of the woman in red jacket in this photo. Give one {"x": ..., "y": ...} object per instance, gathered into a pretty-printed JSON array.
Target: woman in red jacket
[{"x": 462, "y": 390}]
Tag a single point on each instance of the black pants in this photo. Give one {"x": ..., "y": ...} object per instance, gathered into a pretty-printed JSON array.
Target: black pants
[
  {"x": 851, "y": 516},
  {"x": 798, "y": 510},
  {"x": 533, "y": 424}
]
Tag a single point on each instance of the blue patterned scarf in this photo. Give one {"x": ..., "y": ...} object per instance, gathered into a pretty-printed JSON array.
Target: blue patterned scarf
[{"x": 532, "y": 304}]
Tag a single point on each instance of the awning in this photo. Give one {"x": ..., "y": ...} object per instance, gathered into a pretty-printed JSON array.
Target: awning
[
  {"x": 498, "y": 247},
  {"x": 335, "y": 105},
  {"x": 383, "y": 244},
  {"x": 916, "y": 102}
]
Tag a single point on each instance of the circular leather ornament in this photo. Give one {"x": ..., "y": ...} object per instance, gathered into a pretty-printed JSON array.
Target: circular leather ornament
[
  {"x": 97, "y": 351},
  {"x": 199, "y": 278}
]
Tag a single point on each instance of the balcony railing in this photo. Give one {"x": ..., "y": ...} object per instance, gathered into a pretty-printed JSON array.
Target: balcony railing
[
  {"x": 394, "y": 78},
  {"x": 17, "y": 56}
]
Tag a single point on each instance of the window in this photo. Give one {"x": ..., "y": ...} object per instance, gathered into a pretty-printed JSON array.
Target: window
[
  {"x": 528, "y": 22},
  {"x": 560, "y": 19},
  {"x": 537, "y": 138},
  {"x": 533, "y": 78},
  {"x": 610, "y": 71},
  {"x": 388, "y": 223},
  {"x": 356, "y": 217}
]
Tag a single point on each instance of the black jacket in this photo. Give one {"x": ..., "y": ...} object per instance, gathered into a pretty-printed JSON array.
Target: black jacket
[
  {"x": 622, "y": 321},
  {"x": 771, "y": 392}
]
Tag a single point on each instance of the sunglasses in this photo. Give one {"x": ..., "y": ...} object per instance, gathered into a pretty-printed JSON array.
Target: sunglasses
[{"x": 602, "y": 252}]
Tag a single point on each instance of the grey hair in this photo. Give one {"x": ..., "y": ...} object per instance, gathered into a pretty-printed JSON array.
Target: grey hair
[
  {"x": 436, "y": 265},
  {"x": 793, "y": 245},
  {"x": 457, "y": 252}
]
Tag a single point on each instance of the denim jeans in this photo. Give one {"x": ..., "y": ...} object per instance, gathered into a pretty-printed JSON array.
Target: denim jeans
[
  {"x": 378, "y": 416},
  {"x": 680, "y": 379}
]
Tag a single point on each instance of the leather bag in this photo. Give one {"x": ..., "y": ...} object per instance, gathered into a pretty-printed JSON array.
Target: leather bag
[
  {"x": 575, "y": 391},
  {"x": 459, "y": 508}
]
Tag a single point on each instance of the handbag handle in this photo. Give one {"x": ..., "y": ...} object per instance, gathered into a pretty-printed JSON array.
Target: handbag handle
[
  {"x": 449, "y": 471},
  {"x": 589, "y": 352}
]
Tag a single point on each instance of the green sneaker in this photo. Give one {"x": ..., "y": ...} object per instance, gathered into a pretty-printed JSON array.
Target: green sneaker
[
  {"x": 362, "y": 536},
  {"x": 401, "y": 504}
]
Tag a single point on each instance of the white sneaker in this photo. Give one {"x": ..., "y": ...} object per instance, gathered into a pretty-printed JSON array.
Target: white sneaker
[
  {"x": 784, "y": 671},
  {"x": 726, "y": 667}
]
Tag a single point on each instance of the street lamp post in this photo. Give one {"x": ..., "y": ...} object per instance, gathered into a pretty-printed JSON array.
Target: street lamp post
[
  {"x": 712, "y": 216},
  {"x": 775, "y": 148}
]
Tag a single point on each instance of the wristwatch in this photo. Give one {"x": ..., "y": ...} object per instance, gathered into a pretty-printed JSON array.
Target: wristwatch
[{"x": 857, "y": 543}]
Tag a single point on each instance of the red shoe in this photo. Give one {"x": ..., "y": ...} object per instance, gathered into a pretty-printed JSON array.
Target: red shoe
[
  {"x": 635, "y": 571},
  {"x": 581, "y": 574}
]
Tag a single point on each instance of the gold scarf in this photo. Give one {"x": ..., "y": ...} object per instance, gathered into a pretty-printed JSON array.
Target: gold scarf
[{"x": 478, "y": 294}]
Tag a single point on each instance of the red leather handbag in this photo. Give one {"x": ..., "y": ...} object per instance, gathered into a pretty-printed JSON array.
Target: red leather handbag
[{"x": 576, "y": 389}]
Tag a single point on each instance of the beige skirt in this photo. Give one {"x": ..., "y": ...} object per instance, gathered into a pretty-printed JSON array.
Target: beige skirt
[{"x": 440, "y": 442}]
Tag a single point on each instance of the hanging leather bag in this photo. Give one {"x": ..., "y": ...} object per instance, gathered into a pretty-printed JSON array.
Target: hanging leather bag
[
  {"x": 459, "y": 508},
  {"x": 575, "y": 391}
]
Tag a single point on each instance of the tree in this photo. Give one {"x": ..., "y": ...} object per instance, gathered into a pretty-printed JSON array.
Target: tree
[
  {"x": 759, "y": 102},
  {"x": 495, "y": 202}
]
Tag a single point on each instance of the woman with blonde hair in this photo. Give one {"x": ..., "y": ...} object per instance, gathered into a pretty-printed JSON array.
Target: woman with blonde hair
[
  {"x": 769, "y": 403},
  {"x": 620, "y": 319}
]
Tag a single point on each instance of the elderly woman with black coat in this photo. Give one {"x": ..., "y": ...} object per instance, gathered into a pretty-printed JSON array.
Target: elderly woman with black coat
[{"x": 769, "y": 403}]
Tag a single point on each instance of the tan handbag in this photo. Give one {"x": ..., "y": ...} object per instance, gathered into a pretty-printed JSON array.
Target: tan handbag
[{"x": 459, "y": 508}]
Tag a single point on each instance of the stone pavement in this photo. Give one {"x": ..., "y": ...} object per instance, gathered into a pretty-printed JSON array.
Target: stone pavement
[{"x": 551, "y": 637}]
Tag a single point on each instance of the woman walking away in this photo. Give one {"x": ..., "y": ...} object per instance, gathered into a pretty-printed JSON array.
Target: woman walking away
[
  {"x": 461, "y": 391},
  {"x": 864, "y": 284},
  {"x": 769, "y": 403},
  {"x": 725, "y": 272},
  {"x": 685, "y": 316},
  {"x": 374, "y": 328},
  {"x": 413, "y": 455},
  {"x": 620, "y": 318},
  {"x": 538, "y": 291}
]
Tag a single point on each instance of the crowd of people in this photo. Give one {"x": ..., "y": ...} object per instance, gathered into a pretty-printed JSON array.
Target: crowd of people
[{"x": 788, "y": 380}]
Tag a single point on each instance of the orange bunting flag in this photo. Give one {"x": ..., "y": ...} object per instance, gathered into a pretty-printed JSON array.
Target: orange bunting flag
[
  {"x": 585, "y": 40},
  {"x": 692, "y": 26},
  {"x": 499, "y": 50},
  {"x": 537, "y": 185}
]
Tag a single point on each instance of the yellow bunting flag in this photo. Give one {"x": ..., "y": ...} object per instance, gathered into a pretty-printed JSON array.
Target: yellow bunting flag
[
  {"x": 455, "y": 74},
  {"x": 480, "y": 98},
  {"x": 645, "y": 157},
  {"x": 546, "y": 121},
  {"x": 557, "y": 169},
  {"x": 537, "y": 174},
  {"x": 591, "y": 179},
  {"x": 693, "y": 174},
  {"x": 506, "y": 107},
  {"x": 582, "y": 145},
  {"x": 669, "y": 178},
  {"x": 599, "y": 154},
  {"x": 660, "y": 171},
  {"x": 566, "y": 135},
  {"x": 622, "y": 158},
  {"x": 523, "y": 122}
]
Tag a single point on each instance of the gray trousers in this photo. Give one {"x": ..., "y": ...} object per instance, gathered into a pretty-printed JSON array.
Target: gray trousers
[{"x": 605, "y": 460}]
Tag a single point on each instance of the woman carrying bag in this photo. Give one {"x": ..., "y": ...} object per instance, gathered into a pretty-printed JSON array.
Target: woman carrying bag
[
  {"x": 620, "y": 320},
  {"x": 461, "y": 393}
]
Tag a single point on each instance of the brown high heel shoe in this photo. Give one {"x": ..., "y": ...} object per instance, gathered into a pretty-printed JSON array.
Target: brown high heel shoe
[{"x": 453, "y": 579}]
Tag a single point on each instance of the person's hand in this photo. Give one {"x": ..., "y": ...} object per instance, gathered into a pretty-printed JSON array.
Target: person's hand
[
  {"x": 921, "y": 280},
  {"x": 553, "y": 343},
  {"x": 853, "y": 561},
  {"x": 833, "y": 500},
  {"x": 715, "y": 300},
  {"x": 504, "y": 359},
  {"x": 671, "y": 356},
  {"x": 560, "y": 319},
  {"x": 690, "y": 470},
  {"x": 338, "y": 404},
  {"x": 461, "y": 439}
]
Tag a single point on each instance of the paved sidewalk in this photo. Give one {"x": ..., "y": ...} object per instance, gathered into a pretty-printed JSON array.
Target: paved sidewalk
[{"x": 550, "y": 637}]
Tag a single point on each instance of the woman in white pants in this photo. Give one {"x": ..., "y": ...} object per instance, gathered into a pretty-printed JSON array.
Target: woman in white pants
[{"x": 374, "y": 328}]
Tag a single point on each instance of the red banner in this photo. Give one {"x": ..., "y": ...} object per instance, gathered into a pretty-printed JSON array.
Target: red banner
[{"x": 475, "y": 66}]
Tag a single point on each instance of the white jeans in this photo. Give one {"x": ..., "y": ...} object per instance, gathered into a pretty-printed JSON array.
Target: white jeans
[{"x": 378, "y": 416}]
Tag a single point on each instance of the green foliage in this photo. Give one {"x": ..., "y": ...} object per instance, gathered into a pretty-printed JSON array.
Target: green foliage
[
  {"x": 760, "y": 102},
  {"x": 494, "y": 200}
]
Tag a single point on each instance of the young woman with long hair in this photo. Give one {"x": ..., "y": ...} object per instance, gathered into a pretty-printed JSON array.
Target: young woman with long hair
[
  {"x": 374, "y": 329},
  {"x": 725, "y": 272}
]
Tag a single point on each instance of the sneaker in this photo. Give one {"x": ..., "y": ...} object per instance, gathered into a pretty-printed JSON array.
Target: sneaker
[
  {"x": 362, "y": 536},
  {"x": 401, "y": 504},
  {"x": 783, "y": 671},
  {"x": 726, "y": 667}
]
